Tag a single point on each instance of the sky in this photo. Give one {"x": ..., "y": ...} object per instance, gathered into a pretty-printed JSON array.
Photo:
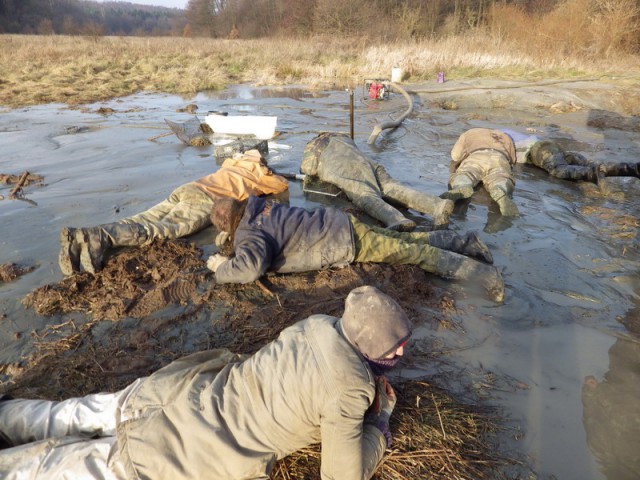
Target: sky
[{"x": 159, "y": 3}]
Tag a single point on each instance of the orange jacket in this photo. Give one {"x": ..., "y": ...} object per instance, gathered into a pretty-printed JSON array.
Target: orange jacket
[{"x": 242, "y": 176}]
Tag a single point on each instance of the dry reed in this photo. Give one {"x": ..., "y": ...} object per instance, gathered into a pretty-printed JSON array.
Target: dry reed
[{"x": 77, "y": 70}]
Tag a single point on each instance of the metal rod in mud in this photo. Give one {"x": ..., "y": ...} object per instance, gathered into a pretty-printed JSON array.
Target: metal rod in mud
[{"x": 351, "y": 113}]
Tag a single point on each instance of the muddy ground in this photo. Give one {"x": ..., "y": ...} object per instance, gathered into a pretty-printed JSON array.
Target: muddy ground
[{"x": 570, "y": 264}]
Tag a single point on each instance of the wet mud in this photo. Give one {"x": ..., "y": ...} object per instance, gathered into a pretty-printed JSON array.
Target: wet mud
[
  {"x": 570, "y": 261},
  {"x": 11, "y": 271}
]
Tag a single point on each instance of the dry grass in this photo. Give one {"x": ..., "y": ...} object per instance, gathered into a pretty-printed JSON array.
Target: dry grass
[
  {"x": 434, "y": 436},
  {"x": 76, "y": 70}
]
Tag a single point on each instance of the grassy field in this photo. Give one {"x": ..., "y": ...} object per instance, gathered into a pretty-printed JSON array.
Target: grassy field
[{"x": 77, "y": 70}]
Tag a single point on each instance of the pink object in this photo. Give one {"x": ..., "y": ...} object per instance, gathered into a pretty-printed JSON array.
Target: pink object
[{"x": 440, "y": 77}]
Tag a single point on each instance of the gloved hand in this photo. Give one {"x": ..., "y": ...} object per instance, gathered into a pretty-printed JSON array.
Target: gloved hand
[
  {"x": 221, "y": 239},
  {"x": 215, "y": 261},
  {"x": 386, "y": 396},
  {"x": 381, "y": 408}
]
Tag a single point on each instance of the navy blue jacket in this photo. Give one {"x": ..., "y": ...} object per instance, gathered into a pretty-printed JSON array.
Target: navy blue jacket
[{"x": 284, "y": 239}]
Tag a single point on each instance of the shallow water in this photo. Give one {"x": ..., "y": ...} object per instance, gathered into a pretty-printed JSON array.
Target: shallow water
[{"x": 571, "y": 276}]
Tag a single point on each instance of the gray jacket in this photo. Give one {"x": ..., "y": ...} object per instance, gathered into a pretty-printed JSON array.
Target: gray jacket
[
  {"x": 214, "y": 415},
  {"x": 285, "y": 239}
]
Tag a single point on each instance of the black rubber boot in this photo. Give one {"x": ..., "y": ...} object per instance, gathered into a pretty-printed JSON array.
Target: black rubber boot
[
  {"x": 96, "y": 241},
  {"x": 476, "y": 248},
  {"x": 469, "y": 245},
  {"x": 620, "y": 169}
]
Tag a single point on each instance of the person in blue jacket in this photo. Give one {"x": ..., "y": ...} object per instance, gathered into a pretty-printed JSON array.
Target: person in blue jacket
[{"x": 268, "y": 236}]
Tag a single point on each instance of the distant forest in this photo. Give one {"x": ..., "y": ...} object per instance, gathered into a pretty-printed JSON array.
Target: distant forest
[
  {"x": 602, "y": 26},
  {"x": 85, "y": 17}
]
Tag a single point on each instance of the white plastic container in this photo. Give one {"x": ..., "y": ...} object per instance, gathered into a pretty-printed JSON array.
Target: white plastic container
[
  {"x": 396, "y": 74},
  {"x": 262, "y": 127}
]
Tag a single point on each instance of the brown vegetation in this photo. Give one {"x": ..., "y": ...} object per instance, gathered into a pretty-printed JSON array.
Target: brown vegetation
[
  {"x": 138, "y": 293},
  {"x": 77, "y": 70}
]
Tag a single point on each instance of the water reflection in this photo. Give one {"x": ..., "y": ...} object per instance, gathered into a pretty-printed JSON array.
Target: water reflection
[{"x": 611, "y": 414}]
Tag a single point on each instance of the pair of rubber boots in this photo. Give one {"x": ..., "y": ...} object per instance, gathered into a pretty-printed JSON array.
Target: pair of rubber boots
[
  {"x": 506, "y": 204},
  {"x": 84, "y": 249}
]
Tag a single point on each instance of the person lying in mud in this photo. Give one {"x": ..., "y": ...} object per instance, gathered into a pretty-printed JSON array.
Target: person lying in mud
[
  {"x": 552, "y": 158},
  {"x": 483, "y": 155},
  {"x": 266, "y": 236},
  {"x": 334, "y": 158},
  {"x": 219, "y": 415},
  {"x": 185, "y": 212}
]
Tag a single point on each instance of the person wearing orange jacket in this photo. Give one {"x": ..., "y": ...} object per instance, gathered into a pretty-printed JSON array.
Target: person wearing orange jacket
[{"x": 185, "y": 212}]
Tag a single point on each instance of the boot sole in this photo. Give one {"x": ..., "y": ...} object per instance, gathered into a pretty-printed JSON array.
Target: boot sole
[{"x": 68, "y": 251}]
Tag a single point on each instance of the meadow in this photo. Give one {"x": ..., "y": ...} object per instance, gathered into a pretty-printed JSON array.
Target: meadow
[{"x": 39, "y": 69}]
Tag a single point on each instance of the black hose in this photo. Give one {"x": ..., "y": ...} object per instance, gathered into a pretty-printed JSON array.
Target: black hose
[{"x": 377, "y": 130}]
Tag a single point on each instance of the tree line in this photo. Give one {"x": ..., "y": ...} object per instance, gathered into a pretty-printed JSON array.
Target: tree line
[
  {"x": 82, "y": 17},
  {"x": 375, "y": 18},
  {"x": 595, "y": 26},
  {"x": 592, "y": 25}
]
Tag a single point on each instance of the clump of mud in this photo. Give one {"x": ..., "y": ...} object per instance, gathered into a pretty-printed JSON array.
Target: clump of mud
[
  {"x": 134, "y": 283},
  {"x": 11, "y": 271}
]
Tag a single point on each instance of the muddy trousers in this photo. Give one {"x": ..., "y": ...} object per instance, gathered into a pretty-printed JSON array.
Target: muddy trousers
[
  {"x": 423, "y": 202},
  {"x": 71, "y": 439},
  {"x": 493, "y": 170},
  {"x": 379, "y": 245},
  {"x": 185, "y": 212},
  {"x": 368, "y": 185}
]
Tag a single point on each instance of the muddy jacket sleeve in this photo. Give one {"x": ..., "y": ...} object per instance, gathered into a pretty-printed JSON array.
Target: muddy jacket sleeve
[
  {"x": 253, "y": 257},
  {"x": 350, "y": 450}
]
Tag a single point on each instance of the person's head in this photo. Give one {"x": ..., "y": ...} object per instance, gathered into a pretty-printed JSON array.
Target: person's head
[
  {"x": 377, "y": 326},
  {"x": 226, "y": 214}
]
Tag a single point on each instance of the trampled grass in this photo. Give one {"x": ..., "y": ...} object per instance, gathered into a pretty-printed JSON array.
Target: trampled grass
[{"x": 76, "y": 70}]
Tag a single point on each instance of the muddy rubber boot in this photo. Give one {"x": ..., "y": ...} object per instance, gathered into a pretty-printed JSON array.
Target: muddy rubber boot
[
  {"x": 422, "y": 202},
  {"x": 507, "y": 206},
  {"x": 69, "y": 256},
  {"x": 95, "y": 241},
  {"x": 381, "y": 210},
  {"x": 458, "y": 267},
  {"x": 458, "y": 193},
  {"x": 620, "y": 169},
  {"x": 476, "y": 248},
  {"x": 469, "y": 245},
  {"x": 442, "y": 213}
]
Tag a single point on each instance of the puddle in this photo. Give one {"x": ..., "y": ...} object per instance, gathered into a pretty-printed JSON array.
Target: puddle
[{"x": 570, "y": 262}]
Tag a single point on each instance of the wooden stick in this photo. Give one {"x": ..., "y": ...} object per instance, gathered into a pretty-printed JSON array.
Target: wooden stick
[
  {"x": 160, "y": 136},
  {"x": 21, "y": 182},
  {"x": 264, "y": 288}
]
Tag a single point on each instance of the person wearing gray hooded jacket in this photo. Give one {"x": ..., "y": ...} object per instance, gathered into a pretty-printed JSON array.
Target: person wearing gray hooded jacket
[
  {"x": 267, "y": 236},
  {"x": 566, "y": 165},
  {"x": 334, "y": 158},
  {"x": 222, "y": 416}
]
